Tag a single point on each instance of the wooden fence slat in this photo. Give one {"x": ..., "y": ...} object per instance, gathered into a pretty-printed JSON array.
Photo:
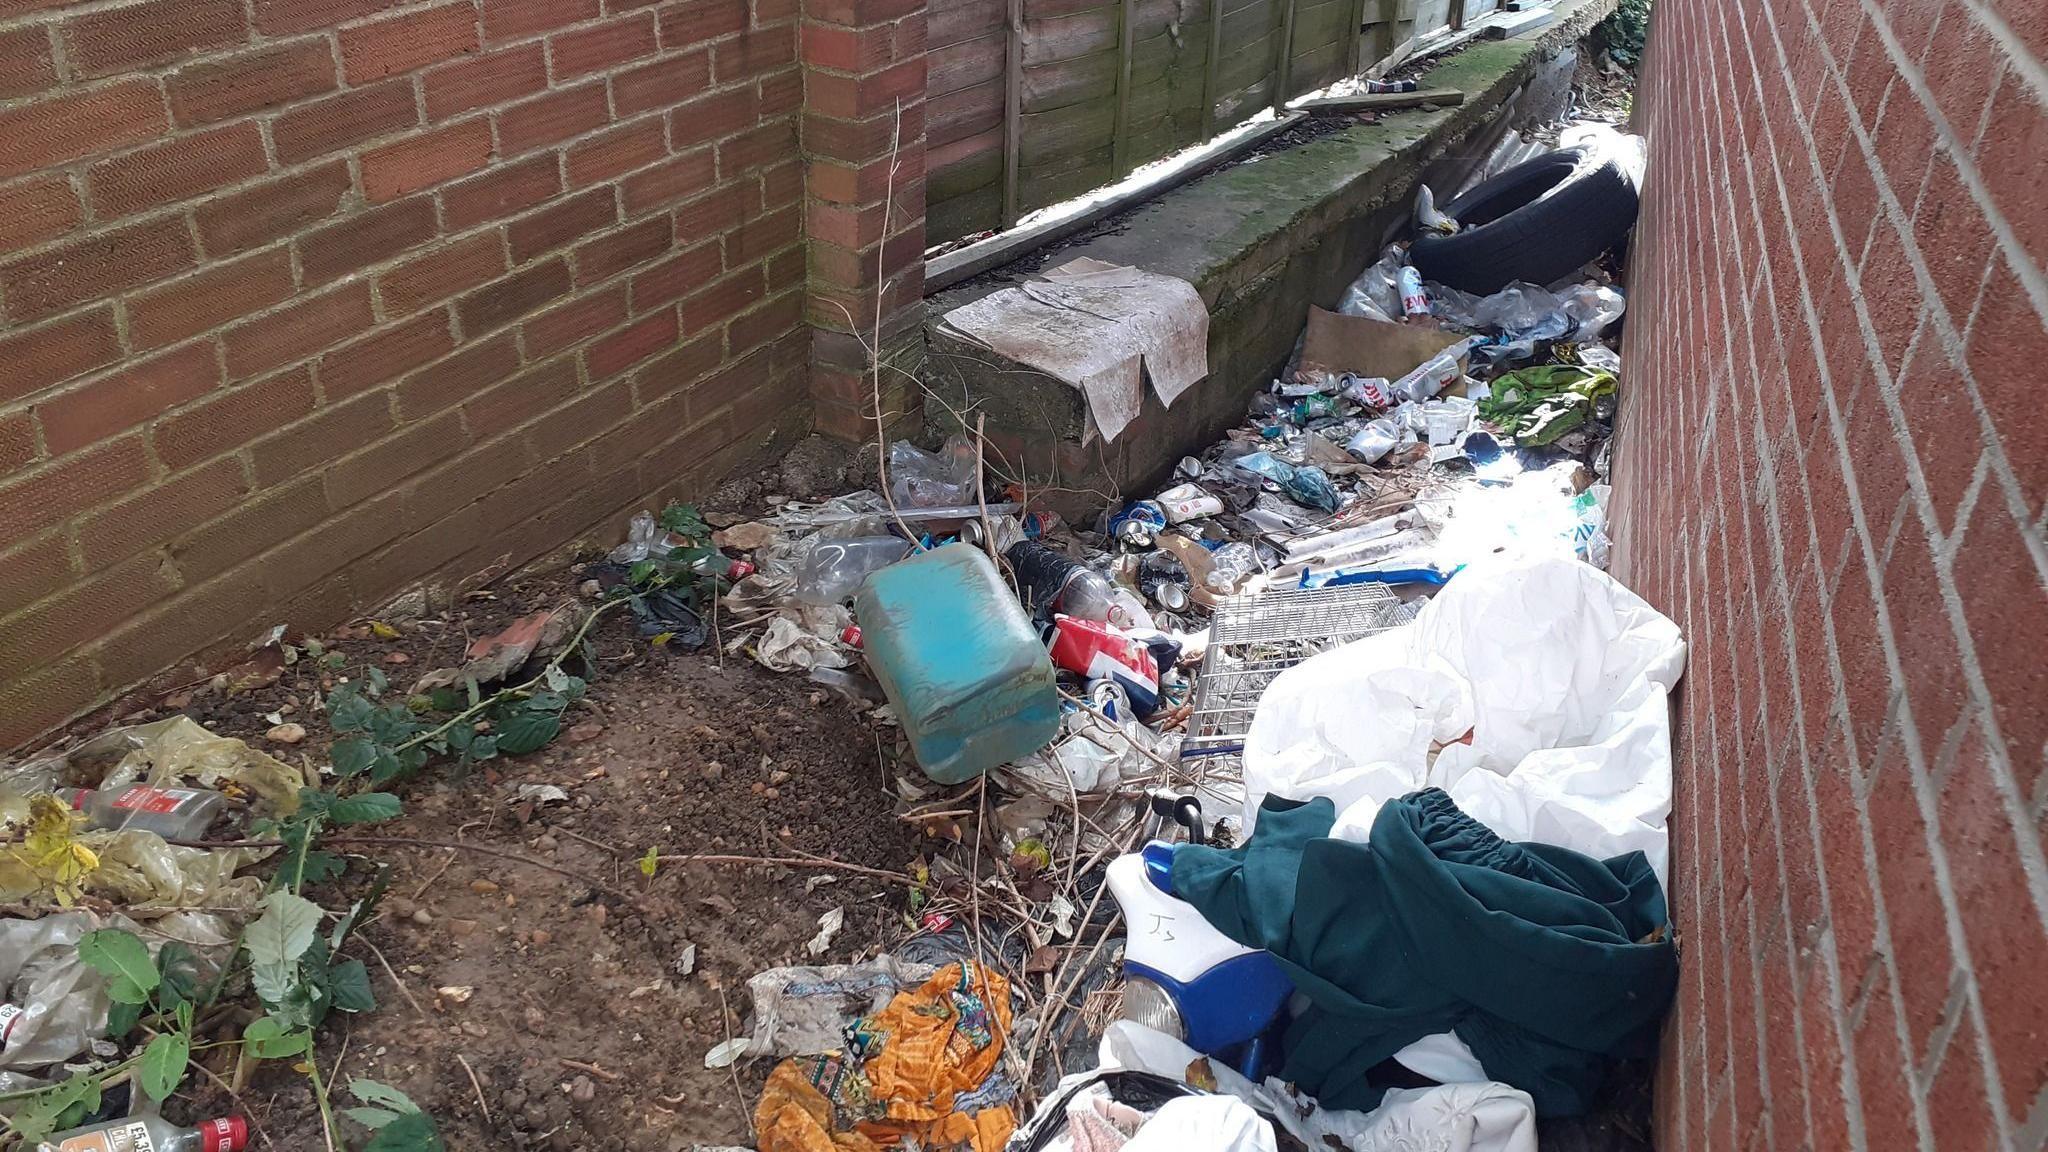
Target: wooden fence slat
[
  {"x": 1283, "y": 65},
  {"x": 1210, "y": 68},
  {"x": 1013, "y": 112},
  {"x": 951, "y": 21},
  {"x": 1128, "y": 28}
]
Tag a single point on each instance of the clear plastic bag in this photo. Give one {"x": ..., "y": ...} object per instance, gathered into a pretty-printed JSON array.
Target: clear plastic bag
[
  {"x": 1375, "y": 294},
  {"x": 921, "y": 479},
  {"x": 1230, "y": 566},
  {"x": 641, "y": 533}
]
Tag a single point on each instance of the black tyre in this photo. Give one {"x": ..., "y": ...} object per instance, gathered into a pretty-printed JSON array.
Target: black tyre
[{"x": 1538, "y": 221}]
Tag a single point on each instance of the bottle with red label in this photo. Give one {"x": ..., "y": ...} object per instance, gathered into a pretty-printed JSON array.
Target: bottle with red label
[
  {"x": 152, "y": 1134},
  {"x": 172, "y": 813}
]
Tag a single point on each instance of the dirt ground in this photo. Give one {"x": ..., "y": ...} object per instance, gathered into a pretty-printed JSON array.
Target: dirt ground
[{"x": 583, "y": 1032}]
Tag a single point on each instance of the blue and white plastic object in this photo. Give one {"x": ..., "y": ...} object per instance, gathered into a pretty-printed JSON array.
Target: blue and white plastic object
[
  {"x": 959, "y": 661},
  {"x": 1186, "y": 979}
]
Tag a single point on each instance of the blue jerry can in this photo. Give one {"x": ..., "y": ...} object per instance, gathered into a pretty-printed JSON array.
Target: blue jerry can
[{"x": 970, "y": 681}]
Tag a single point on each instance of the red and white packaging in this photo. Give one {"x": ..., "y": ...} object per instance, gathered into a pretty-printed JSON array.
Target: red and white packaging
[{"x": 1098, "y": 651}]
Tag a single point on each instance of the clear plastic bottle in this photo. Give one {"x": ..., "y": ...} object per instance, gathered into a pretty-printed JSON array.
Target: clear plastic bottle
[
  {"x": 172, "y": 813},
  {"x": 152, "y": 1134}
]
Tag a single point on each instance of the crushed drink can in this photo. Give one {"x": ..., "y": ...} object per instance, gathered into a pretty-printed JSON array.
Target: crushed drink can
[
  {"x": 850, "y": 635},
  {"x": 1414, "y": 301},
  {"x": 1165, "y": 591},
  {"x": 1367, "y": 391},
  {"x": 1190, "y": 468},
  {"x": 1312, "y": 408},
  {"x": 1184, "y": 502},
  {"x": 1139, "y": 523},
  {"x": 1109, "y": 698}
]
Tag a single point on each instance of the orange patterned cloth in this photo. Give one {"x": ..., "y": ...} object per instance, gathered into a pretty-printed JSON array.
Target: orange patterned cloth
[{"x": 925, "y": 1067}]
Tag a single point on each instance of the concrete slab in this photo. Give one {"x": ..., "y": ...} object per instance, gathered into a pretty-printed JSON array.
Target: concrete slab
[{"x": 1260, "y": 241}]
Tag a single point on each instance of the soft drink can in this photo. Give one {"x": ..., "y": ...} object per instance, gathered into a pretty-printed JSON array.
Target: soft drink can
[{"x": 1414, "y": 301}]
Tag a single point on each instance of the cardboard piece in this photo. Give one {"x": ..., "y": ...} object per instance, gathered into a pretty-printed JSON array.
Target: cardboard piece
[{"x": 1337, "y": 343}]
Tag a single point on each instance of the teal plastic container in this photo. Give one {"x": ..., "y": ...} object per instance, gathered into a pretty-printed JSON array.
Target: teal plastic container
[{"x": 970, "y": 681}]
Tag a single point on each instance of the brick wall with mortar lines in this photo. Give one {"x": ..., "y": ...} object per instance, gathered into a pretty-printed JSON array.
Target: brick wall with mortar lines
[
  {"x": 304, "y": 300},
  {"x": 1831, "y": 470}
]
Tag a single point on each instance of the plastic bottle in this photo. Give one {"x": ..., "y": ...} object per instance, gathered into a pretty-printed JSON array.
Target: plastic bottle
[
  {"x": 152, "y": 1134},
  {"x": 1050, "y": 582},
  {"x": 172, "y": 813},
  {"x": 10, "y": 1015}
]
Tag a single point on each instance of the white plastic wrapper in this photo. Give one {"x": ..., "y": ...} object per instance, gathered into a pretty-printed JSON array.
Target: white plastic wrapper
[
  {"x": 801, "y": 1011},
  {"x": 1204, "y": 1124},
  {"x": 1448, "y": 1118},
  {"x": 1561, "y": 676}
]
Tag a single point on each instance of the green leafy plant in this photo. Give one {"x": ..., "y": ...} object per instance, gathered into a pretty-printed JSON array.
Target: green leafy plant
[
  {"x": 58, "y": 1107},
  {"x": 139, "y": 992},
  {"x": 396, "y": 1124},
  {"x": 1624, "y": 32}
]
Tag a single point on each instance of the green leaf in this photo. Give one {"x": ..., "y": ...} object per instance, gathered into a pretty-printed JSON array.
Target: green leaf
[
  {"x": 353, "y": 756},
  {"x": 361, "y": 909},
  {"x": 393, "y": 725},
  {"x": 347, "y": 709},
  {"x": 180, "y": 968},
  {"x": 38, "y": 1116},
  {"x": 684, "y": 520},
  {"x": 386, "y": 768},
  {"x": 122, "y": 990},
  {"x": 365, "y": 808},
  {"x": 382, "y": 1095},
  {"x": 120, "y": 955},
  {"x": 371, "y": 1118},
  {"x": 163, "y": 1064},
  {"x": 276, "y": 940},
  {"x": 484, "y": 747},
  {"x": 122, "y": 1019},
  {"x": 410, "y": 1133},
  {"x": 267, "y": 1039},
  {"x": 527, "y": 730},
  {"x": 349, "y": 983},
  {"x": 651, "y": 861},
  {"x": 377, "y": 680},
  {"x": 312, "y": 868}
]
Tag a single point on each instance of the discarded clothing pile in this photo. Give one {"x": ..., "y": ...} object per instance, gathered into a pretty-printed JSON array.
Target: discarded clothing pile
[
  {"x": 923, "y": 1070},
  {"x": 1546, "y": 963}
]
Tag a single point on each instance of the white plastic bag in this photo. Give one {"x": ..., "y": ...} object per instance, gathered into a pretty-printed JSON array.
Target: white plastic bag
[{"x": 1561, "y": 676}]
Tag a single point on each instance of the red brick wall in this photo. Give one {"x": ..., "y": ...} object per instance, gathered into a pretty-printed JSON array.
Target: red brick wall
[
  {"x": 302, "y": 301},
  {"x": 1831, "y": 471}
]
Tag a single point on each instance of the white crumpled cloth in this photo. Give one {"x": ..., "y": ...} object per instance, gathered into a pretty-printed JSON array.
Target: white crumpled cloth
[
  {"x": 1561, "y": 676},
  {"x": 1481, "y": 1117},
  {"x": 1102, "y": 328}
]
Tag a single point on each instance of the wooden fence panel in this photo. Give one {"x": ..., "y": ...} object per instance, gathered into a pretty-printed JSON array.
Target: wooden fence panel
[{"x": 1036, "y": 101}]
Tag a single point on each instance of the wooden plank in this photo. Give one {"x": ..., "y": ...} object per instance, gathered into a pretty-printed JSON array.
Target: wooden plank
[
  {"x": 1283, "y": 61},
  {"x": 1354, "y": 39},
  {"x": 1036, "y": 10},
  {"x": 1127, "y": 28},
  {"x": 968, "y": 112},
  {"x": 1068, "y": 37},
  {"x": 1064, "y": 133},
  {"x": 1382, "y": 101},
  {"x": 976, "y": 211},
  {"x": 1247, "y": 33},
  {"x": 1240, "y": 104},
  {"x": 1064, "y": 82},
  {"x": 964, "y": 65},
  {"x": 1161, "y": 17},
  {"x": 1457, "y": 15},
  {"x": 1248, "y": 65},
  {"x": 949, "y": 22},
  {"x": 974, "y": 259},
  {"x": 964, "y": 165},
  {"x": 1013, "y": 111},
  {"x": 1320, "y": 24},
  {"x": 1318, "y": 68},
  {"x": 1210, "y": 69},
  {"x": 1043, "y": 187}
]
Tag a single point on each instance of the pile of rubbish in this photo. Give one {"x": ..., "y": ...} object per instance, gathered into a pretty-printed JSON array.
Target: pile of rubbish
[{"x": 1370, "y": 754}]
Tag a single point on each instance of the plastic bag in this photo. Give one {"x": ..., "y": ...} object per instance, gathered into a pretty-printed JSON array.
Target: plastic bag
[
  {"x": 801, "y": 1011},
  {"x": 166, "y": 753},
  {"x": 1375, "y": 294},
  {"x": 641, "y": 533},
  {"x": 1230, "y": 566},
  {"x": 921, "y": 479},
  {"x": 1560, "y": 676}
]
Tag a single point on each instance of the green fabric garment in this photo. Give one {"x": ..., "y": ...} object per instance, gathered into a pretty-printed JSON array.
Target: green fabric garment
[
  {"x": 1530, "y": 952},
  {"x": 1541, "y": 403}
]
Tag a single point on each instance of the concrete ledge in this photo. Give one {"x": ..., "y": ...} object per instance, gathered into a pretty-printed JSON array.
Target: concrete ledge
[{"x": 1261, "y": 242}]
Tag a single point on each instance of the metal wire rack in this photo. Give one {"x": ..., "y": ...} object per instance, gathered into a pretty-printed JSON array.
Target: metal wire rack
[{"x": 1255, "y": 638}]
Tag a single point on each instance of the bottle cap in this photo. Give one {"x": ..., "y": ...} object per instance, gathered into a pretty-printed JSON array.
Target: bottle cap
[{"x": 224, "y": 1134}]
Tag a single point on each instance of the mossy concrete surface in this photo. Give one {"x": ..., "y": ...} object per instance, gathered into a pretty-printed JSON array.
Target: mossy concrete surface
[{"x": 1261, "y": 241}]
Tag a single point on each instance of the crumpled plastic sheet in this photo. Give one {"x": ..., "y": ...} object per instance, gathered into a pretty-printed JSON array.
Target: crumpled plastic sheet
[
  {"x": 805, "y": 636},
  {"x": 921, "y": 479},
  {"x": 801, "y": 1011},
  {"x": 1525, "y": 312},
  {"x": 1375, "y": 294},
  {"x": 1476, "y": 1117},
  {"x": 64, "y": 999},
  {"x": 924, "y": 1071},
  {"x": 1204, "y": 1124},
  {"x": 164, "y": 753},
  {"x": 1561, "y": 676}
]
